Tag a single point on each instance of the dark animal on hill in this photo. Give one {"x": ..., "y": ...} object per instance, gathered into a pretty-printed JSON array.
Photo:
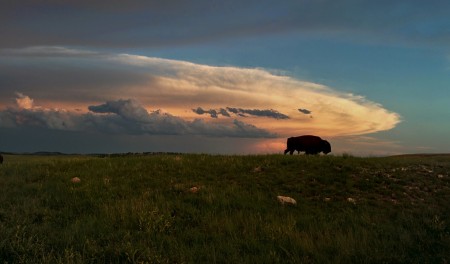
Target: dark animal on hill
[
  {"x": 1, "y": 159},
  {"x": 309, "y": 144}
]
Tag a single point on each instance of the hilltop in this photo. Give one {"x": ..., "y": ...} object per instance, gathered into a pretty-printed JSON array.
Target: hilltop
[{"x": 144, "y": 208}]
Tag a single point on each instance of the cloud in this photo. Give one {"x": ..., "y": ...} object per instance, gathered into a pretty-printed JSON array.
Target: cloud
[
  {"x": 224, "y": 112},
  {"x": 46, "y": 51},
  {"x": 123, "y": 117},
  {"x": 118, "y": 24},
  {"x": 368, "y": 146},
  {"x": 23, "y": 101},
  {"x": 257, "y": 112},
  {"x": 85, "y": 79},
  {"x": 304, "y": 111},
  {"x": 240, "y": 112},
  {"x": 128, "y": 109},
  {"x": 238, "y": 129},
  {"x": 213, "y": 113}
]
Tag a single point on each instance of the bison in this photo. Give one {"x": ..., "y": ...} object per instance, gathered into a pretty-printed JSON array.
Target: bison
[
  {"x": 1, "y": 159},
  {"x": 309, "y": 144}
]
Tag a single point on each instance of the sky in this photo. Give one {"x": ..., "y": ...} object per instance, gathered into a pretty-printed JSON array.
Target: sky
[{"x": 224, "y": 77}]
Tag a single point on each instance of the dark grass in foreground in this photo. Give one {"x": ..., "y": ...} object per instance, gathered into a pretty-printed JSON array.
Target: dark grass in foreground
[{"x": 139, "y": 209}]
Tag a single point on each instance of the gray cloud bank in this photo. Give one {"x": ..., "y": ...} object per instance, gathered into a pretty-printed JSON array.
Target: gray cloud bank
[
  {"x": 124, "y": 117},
  {"x": 147, "y": 23},
  {"x": 241, "y": 112}
]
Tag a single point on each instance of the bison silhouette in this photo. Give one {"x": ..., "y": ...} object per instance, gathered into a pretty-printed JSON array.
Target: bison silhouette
[
  {"x": 309, "y": 144},
  {"x": 1, "y": 159}
]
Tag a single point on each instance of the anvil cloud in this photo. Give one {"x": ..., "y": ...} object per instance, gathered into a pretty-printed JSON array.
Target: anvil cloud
[
  {"x": 224, "y": 76},
  {"x": 72, "y": 95}
]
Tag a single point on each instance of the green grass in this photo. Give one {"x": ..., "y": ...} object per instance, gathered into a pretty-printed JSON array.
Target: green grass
[{"x": 139, "y": 209}]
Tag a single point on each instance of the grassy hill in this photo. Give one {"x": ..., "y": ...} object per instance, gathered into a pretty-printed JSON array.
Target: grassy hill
[{"x": 141, "y": 209}]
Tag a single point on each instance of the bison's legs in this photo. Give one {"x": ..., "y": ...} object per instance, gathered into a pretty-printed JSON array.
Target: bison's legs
[{"x": 291, "y": 151}]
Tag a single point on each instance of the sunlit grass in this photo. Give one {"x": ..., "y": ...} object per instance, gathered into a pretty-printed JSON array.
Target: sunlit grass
[{"x": 141, "y": 209}]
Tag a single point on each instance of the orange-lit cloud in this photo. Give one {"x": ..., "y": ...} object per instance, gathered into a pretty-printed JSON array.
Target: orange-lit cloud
[
  {"x": 187, "y": 85},
  {"x": 24, "y": 101},
  {"x": 254, "y": 100}
]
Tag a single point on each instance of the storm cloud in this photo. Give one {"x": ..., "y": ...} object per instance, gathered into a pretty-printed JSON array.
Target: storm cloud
[
  {"x": 65, "y": 78},
  {"x": 122, "y": 117},
  {"x": 102, "y": 68}
]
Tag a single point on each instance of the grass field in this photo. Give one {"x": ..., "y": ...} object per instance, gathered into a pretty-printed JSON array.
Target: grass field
[{"x": 139, "y": 209}]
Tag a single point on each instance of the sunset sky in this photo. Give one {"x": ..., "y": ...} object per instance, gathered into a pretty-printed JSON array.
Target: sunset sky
[{"x": 226, "y": 77}]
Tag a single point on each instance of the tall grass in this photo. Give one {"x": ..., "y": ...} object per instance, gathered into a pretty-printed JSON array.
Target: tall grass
[{"x": 139, "y": 209}]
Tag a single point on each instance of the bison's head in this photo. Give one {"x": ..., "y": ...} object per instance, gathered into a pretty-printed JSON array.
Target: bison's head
[{"x": 326, "y": 147}]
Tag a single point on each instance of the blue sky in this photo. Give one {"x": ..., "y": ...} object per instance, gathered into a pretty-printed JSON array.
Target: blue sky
[{"x": 91, "y": 76}]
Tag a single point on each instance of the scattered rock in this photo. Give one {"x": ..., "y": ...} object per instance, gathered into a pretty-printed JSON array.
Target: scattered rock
[
  {"x": 286, "y": 199},
  {"x": 440, "y": 176},
  {"x": 326, "y": 199},
  {"x": 257, "y": 169},
  {"x": 75, "y": 180},
  {"x": 351, "y": 200},
  {"x": 194, "y": 189},
  {"x": 426, "y": 170}
]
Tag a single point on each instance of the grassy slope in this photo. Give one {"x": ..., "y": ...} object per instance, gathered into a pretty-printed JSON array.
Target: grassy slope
[{"x": 139, "y": 209}]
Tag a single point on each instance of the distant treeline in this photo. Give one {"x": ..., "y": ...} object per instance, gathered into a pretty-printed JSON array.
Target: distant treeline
[
  {"x": 102, "y": 155},
  {"x": 133, "y": 154}
]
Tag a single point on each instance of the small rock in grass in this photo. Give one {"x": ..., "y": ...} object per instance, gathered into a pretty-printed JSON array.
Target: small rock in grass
[
  {"x": 257, "y": 169},
  {"x": 326, "y": 199},
  {"x": 351, "y": 200},
  {"x": 440, "y": 176},
  {"x": 286, "y": 199},
  {"x": 194, "y": 189},
  {"x": 75, "y": 180}
]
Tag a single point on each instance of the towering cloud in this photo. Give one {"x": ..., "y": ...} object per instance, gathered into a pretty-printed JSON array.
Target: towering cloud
[
  {"x": 267, "y": 103},
  {"x": 23, "y": 101}
]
